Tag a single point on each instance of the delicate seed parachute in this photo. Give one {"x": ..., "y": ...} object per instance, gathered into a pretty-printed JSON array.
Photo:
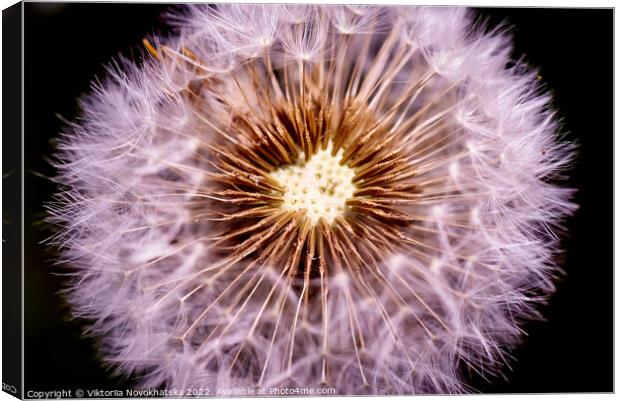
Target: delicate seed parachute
[{"x": 360, "y": 198}]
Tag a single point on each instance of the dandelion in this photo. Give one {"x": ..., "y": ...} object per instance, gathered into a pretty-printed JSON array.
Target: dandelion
[{"x": 360, "y": 198}]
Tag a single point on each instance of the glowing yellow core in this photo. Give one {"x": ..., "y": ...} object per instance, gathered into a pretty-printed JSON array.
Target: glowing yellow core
[{"x": 321, "y": 185}]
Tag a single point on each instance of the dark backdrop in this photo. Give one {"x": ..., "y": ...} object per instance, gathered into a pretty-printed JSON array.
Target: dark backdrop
[{"x": 65, "y": 46}]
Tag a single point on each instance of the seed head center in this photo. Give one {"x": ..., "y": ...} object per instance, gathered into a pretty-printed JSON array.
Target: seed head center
[{"x": 321, "y": 185}]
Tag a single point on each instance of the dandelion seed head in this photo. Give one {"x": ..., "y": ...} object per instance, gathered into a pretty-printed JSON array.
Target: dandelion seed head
[{"x": 363, "y": 198}]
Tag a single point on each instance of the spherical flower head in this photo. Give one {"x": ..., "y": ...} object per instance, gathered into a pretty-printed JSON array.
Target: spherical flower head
[{"x": 359, "y": 198}]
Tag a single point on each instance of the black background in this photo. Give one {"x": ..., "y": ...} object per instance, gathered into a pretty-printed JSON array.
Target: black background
[{"x": 572, "y": 351}]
